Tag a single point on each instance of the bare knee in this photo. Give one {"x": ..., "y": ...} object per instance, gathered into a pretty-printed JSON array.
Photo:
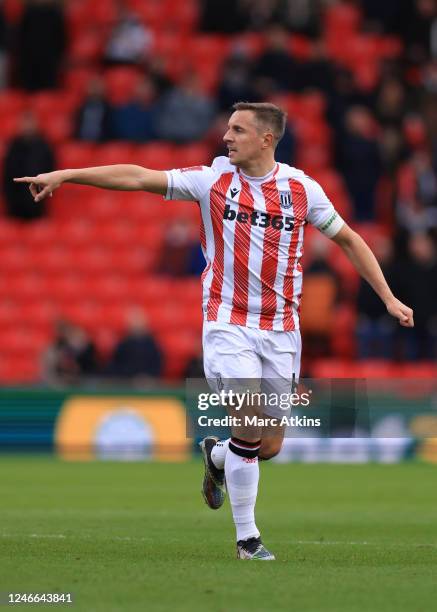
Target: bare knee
[{"x": 270, "y": 447}]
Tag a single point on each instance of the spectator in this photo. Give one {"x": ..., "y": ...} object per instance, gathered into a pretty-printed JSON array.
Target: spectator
[
  {"x": 258, "y": 14},
  {"x": 418, "y": 285},
  {"x": 384, "y": 17},
  {"x": 129, "y": 42},
  {"x": 275, "y": 64},
  {"x": 136, "y": 119},
  {"x": 344, "y": 95},
  {"x": 235, "y": 84},
  {"x": 301, "y": 16},
  {"x": 93, "y": 118},
  {"x": 186, "y": 112},
  {"x": 391, "y": 103},
  {"x": 40, "y": 44},
  {"x": 376, "y": 330},
  {"x": 416, "y": 208},
  {"x": 286, "y": 149},
  {"x": 392, "y": 150},
  {"x": 72, "y": 356},
  {"x": 157, "y": 72},
  {"x": 27, "y": 154},
  {"x": 136, "y": 355},
  {"x": 359, "y": 161},
  {"x": 179, "y": 249},
  {"x": 318, "y": 72},
  {"x": 419, "y": 30},
  {"x": 319, "y": 298},
  {"x": 221, "y": 16}
]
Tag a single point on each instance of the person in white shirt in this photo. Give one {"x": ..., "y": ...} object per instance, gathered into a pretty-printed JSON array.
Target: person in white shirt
[{"x": 253, "y": 212}]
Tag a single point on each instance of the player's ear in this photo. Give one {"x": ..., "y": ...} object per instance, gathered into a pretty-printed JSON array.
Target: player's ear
[{"x": 268, "y": 140}]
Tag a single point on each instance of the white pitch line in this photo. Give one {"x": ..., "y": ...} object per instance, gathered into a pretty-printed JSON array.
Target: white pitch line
[{"x": 62, "y": 536}]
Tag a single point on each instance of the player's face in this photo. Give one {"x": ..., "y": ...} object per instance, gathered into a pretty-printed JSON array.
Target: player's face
[{"x": 244, "y": 139}]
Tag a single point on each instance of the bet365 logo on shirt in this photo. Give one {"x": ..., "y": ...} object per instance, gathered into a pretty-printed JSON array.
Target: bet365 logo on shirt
[{"x": 259, "y": 219}]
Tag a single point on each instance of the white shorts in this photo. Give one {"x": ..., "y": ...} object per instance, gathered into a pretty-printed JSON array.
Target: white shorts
[{"x": 236, "y": 353}]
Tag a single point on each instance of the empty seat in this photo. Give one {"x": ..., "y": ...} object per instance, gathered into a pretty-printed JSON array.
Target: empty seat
[
  {"x": 157, "y": 155},
  {"x": 75, "y": 154},
  {"x": 121, "y": 83},
  {"x": 114, "y": 153},
  {"x": 20, "y": 370}
]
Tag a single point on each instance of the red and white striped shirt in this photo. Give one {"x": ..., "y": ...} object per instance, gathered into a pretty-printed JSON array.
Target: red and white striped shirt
[{"x": 252, "y": 235}]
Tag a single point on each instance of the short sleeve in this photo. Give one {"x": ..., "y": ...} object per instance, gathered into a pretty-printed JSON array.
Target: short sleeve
[
  {"x": 321, "y": 212},
  {"x": 189, "y": 183}
]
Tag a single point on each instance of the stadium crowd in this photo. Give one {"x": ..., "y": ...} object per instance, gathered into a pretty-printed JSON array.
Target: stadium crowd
[{"x": 358, "y": 79}]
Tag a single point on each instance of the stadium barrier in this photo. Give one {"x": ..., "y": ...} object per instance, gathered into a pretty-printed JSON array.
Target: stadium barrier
[{"x": 395, "y": 421}]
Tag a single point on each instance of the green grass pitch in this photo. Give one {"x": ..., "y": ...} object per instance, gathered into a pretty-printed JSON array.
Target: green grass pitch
[{"x": 138, "y": 536}]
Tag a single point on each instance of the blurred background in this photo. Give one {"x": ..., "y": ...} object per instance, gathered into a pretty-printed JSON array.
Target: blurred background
[{"x": 101, "y": 290}]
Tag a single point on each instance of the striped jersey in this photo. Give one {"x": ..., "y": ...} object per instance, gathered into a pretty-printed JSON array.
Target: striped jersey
[{"x": 252, "y": 233}]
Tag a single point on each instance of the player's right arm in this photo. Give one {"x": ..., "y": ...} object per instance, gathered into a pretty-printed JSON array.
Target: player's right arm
[{"x": 122, "y": 177}]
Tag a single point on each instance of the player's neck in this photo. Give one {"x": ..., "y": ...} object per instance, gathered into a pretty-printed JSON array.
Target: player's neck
[{"x": 258, "y": 168}]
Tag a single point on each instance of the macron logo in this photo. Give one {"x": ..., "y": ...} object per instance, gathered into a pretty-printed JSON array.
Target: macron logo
[{"x": 234, "y": 192}]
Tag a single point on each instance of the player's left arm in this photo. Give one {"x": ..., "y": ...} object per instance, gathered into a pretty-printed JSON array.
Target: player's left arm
[{"x": 368, "y": 267}]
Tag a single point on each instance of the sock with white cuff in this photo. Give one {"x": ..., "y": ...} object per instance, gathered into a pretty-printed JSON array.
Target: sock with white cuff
[
  {"x": 218, "y": 453},
  {"x": 242, "y": 476}
]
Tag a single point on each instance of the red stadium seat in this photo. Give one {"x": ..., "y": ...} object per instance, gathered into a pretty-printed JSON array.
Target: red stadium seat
[
  {"x": 419, "y": 370},
  {"x": 10, "y": 232},
  {"x": 92, "y": 260},
  {"x": 10, "y": 313},
  {"x": 193, "y": 155},
  {"x": 102, "y": 14},
  {"x": 39, "y": 234},
  {"x": 312, "y": 105},
  {"x": 151, "y": 12},
  {"x": 15, "y": 258},
  {"x": 178, "y": 349},
  {"x": 342, "y": 18},
  {"x": 332, "y": 368},
  {"x": 76, "y": 79},
  {"x": 314, "y": 158},
  {"x": 47, "y": 104},
  {"x": 65, "y": 288},
  {"x": 52, "y": 259},
  {"x": 57, "y": 128},
  {"x": 13, "y": 10},
  {"x": 121, "y": 83},
  {"x": 87, "y": 46},
  {"x": 41, "y": 314},
  {"x": 300, "y": 47},
  {"x": 85, "y": 313},
  {"x": 75, "y": 154},
  {"x": 311, "y": 131},
  {"x": 77, "y": 232},
  {"x": 19, "y": 370},
  {"x": 12, "y": 101},
  {"x": 181, "y": 16},
  {"x": 23, "y": 340},
  {"x": 109, "y": 288},
  {"x": 157, "y": 155},
  {"x": 114, "y": 153}
]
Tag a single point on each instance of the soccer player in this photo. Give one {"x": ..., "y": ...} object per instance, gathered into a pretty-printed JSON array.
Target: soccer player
[{"x": 253, "y": 212}]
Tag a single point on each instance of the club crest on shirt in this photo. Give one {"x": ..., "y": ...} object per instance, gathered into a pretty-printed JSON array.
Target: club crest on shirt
[{"x": 285, "y": 199}]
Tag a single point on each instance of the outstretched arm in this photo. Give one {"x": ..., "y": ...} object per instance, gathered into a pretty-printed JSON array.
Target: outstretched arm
[
  {"x": 366, "y": 264},
  {"x": 123, "y": 177}
]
